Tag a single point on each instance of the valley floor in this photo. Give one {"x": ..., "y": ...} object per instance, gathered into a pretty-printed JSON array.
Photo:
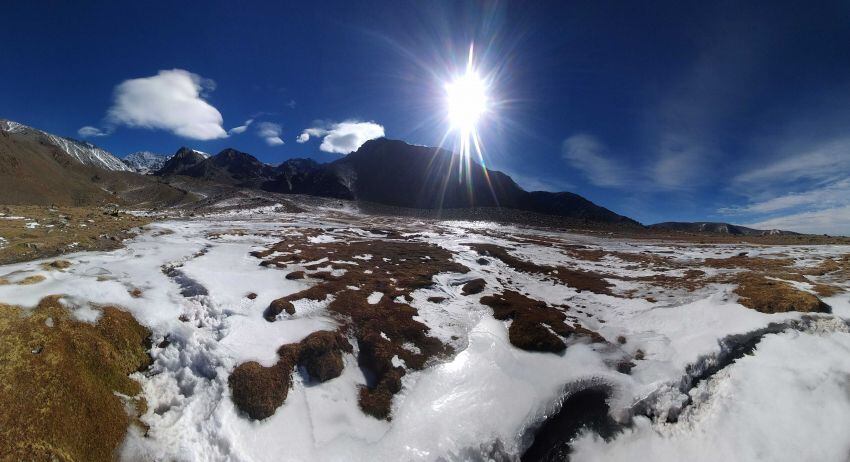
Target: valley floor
[{"x": 461, "y": 342}]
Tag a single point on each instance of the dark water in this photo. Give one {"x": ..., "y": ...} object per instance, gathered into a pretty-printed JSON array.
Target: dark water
[{"x": 585, "y": 409}]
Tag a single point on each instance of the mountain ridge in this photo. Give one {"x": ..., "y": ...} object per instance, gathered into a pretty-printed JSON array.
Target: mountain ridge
[
  {"x": 419, "y": 177},
  {"x": 82, "y": 151},
  {"x": 145, "y": 162},
  {"x": 39, "y": 166},
  {"x": 713, "y": 227}
]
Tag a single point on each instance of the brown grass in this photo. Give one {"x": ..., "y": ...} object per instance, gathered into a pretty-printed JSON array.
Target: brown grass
[
  {"x": 475, "y": 286},
  {"x": 89, "y": 227},
  {"x": 532, "y": 322},
  {"x": 771, "y": 296},
  {"x": 259, "y": 391},
  {"x": 57, "y": 383},
  {"x": 577, "y": 279},
  {"x": 398, "y": 266}
]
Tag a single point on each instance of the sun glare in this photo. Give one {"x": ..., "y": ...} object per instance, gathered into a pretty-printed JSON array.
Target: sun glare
[{"x": 467, "y": 101}]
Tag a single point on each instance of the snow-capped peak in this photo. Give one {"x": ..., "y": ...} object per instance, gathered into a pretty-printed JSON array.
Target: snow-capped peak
[
  {"x": 11, "y": 126},
  {"x": 84, "y": 152},
  {"x": 145, "y": 162}
]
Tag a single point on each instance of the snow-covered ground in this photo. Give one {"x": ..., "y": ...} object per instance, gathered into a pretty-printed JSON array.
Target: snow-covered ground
[{"x": 787, "y": 400}]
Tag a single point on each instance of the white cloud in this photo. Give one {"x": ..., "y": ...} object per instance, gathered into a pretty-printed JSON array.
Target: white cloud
[
  {"x": 680, "y": 163},
  {"x": 806, "y": 190},
  {"x": 344, "y": 137},
  {"x": 310, "y": 132},
  {"x": 241, "y": 128},
  {"x": 835, "y": 221},
  {"x": 830, "y": 194},
  {"x": 822, "y": 161},
  {"x": 89, "y": 131},
  {"x": 270, "y": 132},
  {"x": 172, "y": 100},
  {"x": 589, "y": 155}
]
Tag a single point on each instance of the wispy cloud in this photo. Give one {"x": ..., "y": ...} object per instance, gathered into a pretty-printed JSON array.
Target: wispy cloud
[
  {"x": 172, "y": 100},
  {"x": 589, "y": 155},
  {"x": 270, "y": 132},
  {"x": 807, "y": 189},
  {"x": 343, "y": 137},
  {"x": 822, "y": 161},
  {"x": 835, "y": 221},
  {"x": 825, "y": 195},
  {"x": 241, "y": 128}
]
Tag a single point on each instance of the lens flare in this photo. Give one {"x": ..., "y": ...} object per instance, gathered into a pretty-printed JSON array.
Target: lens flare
[{"x": 467, "y": 101}]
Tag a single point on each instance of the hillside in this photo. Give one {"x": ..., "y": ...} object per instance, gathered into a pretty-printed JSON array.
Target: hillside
[{"x": 35, "y": 171}]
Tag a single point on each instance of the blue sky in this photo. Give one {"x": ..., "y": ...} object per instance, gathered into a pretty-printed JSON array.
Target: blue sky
[{"x": 722, "y": 111}]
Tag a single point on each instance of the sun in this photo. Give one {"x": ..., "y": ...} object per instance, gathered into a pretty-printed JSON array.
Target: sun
[{"x": 467, "y": 101}]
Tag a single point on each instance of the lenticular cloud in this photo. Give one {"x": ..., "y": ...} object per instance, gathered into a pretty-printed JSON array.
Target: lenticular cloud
[
  {"x": 343, "y": 137},
  {"x": 172, "y": 100}
]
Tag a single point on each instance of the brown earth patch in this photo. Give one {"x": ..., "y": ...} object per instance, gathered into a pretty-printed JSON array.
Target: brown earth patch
[
  {"x": 475, "y": 286},
  {"x": 58, "y": 377},
  {"x": 259, "y": 391},
  {"x": 577, "y": 279},
  {"x": 383, "y": 330},
  {"x": 29, "y": 280},
  {"x": 750, "y": 263},
  {"x": 772, "y": 296},
  {"x": 295, "y": 275},
  {"x": 534, "y": 323},
  {"x": 56, "y": 265},
  {"x": 63, "y": 230},
  {"x": 691, "y": 280}
]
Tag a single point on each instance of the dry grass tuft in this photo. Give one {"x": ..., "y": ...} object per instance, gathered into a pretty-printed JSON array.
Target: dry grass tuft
[
  {"x": 259, "y": 391},
  {"x": 535, "y": 324},
  {"x": 772, "y": 296},
  {"x": 58, "y": 377},
  {"x": 577, "y": 279}
]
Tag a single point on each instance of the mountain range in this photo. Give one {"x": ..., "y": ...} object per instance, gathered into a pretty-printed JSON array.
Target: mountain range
[
  {"x": 388, "y": 172},
  {"x": 702, "y": 227},
  {"x": 41, "y": 168}
]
